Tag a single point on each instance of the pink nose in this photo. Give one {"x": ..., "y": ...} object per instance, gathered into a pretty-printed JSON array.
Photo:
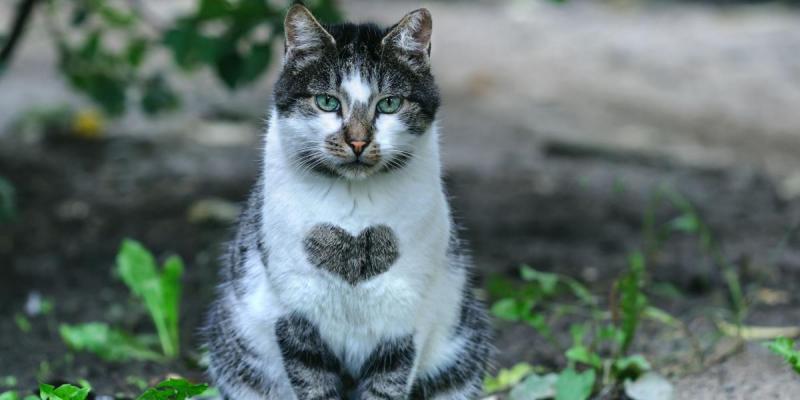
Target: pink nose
[{"x": 358, "y": 146}]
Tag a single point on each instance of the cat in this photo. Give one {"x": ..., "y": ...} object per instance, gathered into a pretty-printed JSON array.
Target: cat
[{"x": 346, "y": 278}]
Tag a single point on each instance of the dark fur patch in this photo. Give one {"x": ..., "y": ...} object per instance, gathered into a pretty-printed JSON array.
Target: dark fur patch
[
  {"x": 386, "y": 372},
  {"x": 313, "y": 369},
  {"x": 354, "y": 259}
]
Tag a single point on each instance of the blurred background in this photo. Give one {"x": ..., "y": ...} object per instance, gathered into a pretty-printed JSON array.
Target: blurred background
[{"x": 640, "y": 157}]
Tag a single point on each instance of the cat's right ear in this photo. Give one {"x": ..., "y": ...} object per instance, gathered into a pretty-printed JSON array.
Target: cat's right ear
[{"x": 305, "y": 37}]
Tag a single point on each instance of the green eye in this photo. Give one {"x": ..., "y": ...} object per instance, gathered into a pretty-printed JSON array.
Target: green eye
[
  {"x": 390, "y": 105},
  {"x": 326, "y": 102}
]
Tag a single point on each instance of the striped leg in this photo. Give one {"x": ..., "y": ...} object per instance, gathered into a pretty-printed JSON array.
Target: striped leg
[
  {"x": 462, "y": 378},
  {"x": 234, "y": 365},
  {"x": 313, "y": 369},
  {"x": 386, "y": 373}
]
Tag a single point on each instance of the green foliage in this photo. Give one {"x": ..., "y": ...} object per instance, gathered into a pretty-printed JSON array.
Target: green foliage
[
  {"x": 15, "y": 396},
  {"x": 572, "y": 385},
  {"x": 787, "y": 349},
  {"x": 632, "y": 300},
  {"x": 536, "y": 302},
  {"x": 689, "y": 222},
  {"x": 63, "y": 392},
  {"x": 529, "y": 302},
  {"x": 602, "y": 339},
  {"x": 233, "y": 38},
  {"x": 506, "y": 378},
  {"x": 107, "y": 343},
  {"x": 23, "y": 323},
  {"x": 8, "y": 207},
  {"x": 535, "y": 387},
  {"x": 173, "y": 389},
  {"x": 160, "y": 291}
]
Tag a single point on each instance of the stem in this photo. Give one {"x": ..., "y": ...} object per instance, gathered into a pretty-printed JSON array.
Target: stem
[{"x": 21, "y": 20}]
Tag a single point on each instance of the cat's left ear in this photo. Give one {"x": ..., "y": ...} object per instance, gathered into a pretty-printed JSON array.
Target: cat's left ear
[
  {"x": 412, "y": 37},
  {"x": 306, "y": 39}
]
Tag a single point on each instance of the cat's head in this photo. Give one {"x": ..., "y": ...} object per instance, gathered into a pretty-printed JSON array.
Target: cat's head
[{"x": 355, "y": 100}]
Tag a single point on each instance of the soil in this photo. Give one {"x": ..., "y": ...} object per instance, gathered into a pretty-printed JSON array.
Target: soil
[{"x": 555, "y": 170}]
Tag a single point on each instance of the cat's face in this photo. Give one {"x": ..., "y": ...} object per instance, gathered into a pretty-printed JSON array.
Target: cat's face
[{"x": 355, "y": 100}]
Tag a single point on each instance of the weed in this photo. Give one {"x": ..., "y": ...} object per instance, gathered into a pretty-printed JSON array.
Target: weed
[
  {"x": 787, "y": 349},
  {"x": 23, "y": 323},
  {"x": 600, "y": 342},
  {"x": 108, "y": 343},
  {"x": 171, "y": 389},
  {"x": 599, "y": 355},
  {"x": 160, "y": 291},
  {"x": 63, "y": 392}
]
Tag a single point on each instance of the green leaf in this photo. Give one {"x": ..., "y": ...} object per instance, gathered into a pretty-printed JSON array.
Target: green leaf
[
  {"x": 107, "y": 343},
  {"x": 572, "y": 385},
  {"x": 173, "y": 389},
  {"x": 189, "y": 47},
  {"x": 630, "y": 367},
  {"x": 80, "y": 14},
  {"x": 23, "y": 323},
  {"x": 611, "y": 333},
  {"x": 136, "y": 50},
  {"x": 229, "y": 67},
  {"x": 325, "y": 10},
  {"x": 580, "y": 291},
  {"x": 9, "y": 396},
  {"x": 213, "y": 9},
  {"x": 256, "y": 62},
  {"x": 688, "y": 223},
  {"x": 112, "y": 16},
  {"x": 91, "y": 46},
  {"x": 63, "y": 392},
  {"x": 632, "y": 300},
  {"x": 535, "y": 387},
  {"x": 158, "y": 96},
  {"x": 583, "y": 355},
  {"x": 507, "y": 378},
  {"x": 538, "y": 322},
  {"x": 785, "y": 348},
  {"x": 659, "y": 315},
  {"x": 171, "y": 289},
  {"x": 160, "y": 292},
  {"x": 507, "y": 309},
  {"x": 499, "y": 286},
  {"x": 547, "y": 281}
]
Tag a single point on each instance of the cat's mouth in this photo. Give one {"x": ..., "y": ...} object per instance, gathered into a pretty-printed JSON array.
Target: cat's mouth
[{"x": 356, "y": 169}]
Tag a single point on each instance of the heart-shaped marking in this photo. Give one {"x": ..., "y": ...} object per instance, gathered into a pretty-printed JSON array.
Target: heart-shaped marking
[{"x": 354, "y": 259}]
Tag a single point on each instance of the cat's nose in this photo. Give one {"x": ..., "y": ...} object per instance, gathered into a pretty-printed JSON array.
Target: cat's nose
[{"x": 358, "y": 146}]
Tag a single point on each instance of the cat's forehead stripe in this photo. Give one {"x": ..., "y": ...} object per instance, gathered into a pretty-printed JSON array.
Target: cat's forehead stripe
[{"x": 357, "y": 89}]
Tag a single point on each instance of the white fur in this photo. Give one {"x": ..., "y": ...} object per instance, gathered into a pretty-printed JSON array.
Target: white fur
[
  {"x": 358, "y": 90},
  {"x": 419, "y": 294}
]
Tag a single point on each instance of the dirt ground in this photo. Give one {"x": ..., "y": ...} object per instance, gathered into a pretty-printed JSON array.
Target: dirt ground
[{"x": 552, "y": 153}]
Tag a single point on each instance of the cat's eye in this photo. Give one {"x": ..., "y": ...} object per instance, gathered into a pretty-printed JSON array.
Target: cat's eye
[
  {"x": 390, "y": 105},
  {"x": 326, "y": 102}
]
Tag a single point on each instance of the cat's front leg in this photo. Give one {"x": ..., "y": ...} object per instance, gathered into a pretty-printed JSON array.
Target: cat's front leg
[
  {"x": 387, "y": 373},
  {"x": 313, "y": 369}
]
